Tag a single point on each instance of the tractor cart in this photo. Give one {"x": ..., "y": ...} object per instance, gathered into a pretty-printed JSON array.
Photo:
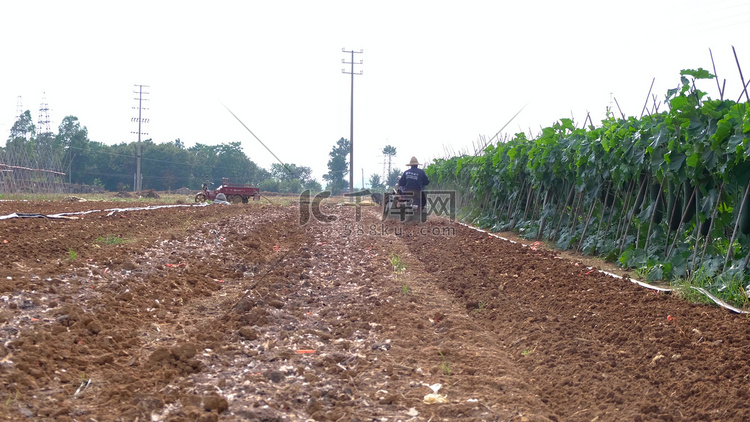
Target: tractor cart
[{"x": 235, "y": 193}]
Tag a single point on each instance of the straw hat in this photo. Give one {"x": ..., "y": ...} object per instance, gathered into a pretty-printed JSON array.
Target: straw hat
[{"x": 413, "y": 162}]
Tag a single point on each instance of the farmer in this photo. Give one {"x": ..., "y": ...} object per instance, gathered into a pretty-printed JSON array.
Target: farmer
[{"x": 412, "y": 183}]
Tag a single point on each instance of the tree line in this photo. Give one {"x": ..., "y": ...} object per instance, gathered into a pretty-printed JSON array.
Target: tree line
[
  {"x": 164, "y": 166},
  {"x": 170, "y": 165}
]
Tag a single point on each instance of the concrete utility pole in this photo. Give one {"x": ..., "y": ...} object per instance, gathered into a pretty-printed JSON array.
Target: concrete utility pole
[
  {"x": 351, "y": 117},
  {"x": 137, "y": 186}
]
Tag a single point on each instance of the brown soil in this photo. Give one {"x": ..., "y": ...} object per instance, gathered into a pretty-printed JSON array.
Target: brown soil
[{"x": 239, "y": 313}]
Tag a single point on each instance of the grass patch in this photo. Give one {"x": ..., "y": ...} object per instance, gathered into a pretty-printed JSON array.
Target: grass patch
[
  {"x": 481, "y": 306},
  {"x": 109, "y": 240},
  {"x": 72, "y": 255},
  {"x": 729, "y": 287},
  {"x": 445, "y": 366}
]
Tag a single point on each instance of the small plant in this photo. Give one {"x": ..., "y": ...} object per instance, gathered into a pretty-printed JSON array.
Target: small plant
[
  {"x": 445, "y": 367},
  {"x": 642, "y": 273},
  {"x": 527, "y": 352},
  {"x": 186, "y": 226},
  {"x": 10, "y": 398},
  {"x": 72, "y": 255},
  {"x": 109, "y": 240},
  {"x": 397, "y": 263},
  {"x": 481, "y": 306},
  {"x": 406, "y": 289}
]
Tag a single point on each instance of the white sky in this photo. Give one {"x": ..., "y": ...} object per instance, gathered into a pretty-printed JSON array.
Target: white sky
[{"x": 437, "y": 76}]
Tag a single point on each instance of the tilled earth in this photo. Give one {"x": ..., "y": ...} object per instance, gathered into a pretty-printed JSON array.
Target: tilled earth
[{"x": 241, "y": 313}]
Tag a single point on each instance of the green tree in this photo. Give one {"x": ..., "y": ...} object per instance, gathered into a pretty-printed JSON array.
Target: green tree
[
  {"x": 393, "y": 177},
  {"x": 23, "y": 127},
  {"x": 269, "y": 185},
  {"x": 313, "y": 186},
  {"x": 375, "y": 182},
  {"x": 291, "y": 171},
  {"x": 74, "y": 142},
  {"x": 337, "y": 167},
  {"x": 389, "y": 152}
]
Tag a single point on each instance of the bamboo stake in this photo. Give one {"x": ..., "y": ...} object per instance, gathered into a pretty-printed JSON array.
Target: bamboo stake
[
  {"x": 618, "y": 107},
  {"x": 671, "y": 216},
  {"x": 682, "y": 220},
  {"x": 697, "y": 232},
  {"x": 653, "y": 213},
  {"x": 624, "y": 214},
  {"x": 574, "y": 220},
  {"x": 611, "y": 214},
  {"x": 543, "y": 223},
  {"x": 562, "y": 212},
  {"x": 586, "y": 226},
  {"x": 736, "y": 224},
  {"x": 716, "y": 75},
  {"x": 711, "y": 224},
  {"x": 601, "y": 220},
  {"x": 528, "y": 201},
  {"x": 626, "y": 227},
  {"x": 742, "y": 78},
  {"x": 648, "y": 96}
]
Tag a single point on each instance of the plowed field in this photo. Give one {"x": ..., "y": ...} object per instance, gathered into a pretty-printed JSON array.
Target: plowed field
[{"x": 240, "y": 313}]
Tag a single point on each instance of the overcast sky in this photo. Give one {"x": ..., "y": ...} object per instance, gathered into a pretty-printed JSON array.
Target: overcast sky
[{"x": 437, "y": 77}]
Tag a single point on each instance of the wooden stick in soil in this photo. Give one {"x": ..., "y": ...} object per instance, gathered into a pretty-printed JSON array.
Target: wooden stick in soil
[
  {"x": 711, "y": 224},
  {"x": 648, "y": 96},
  {"x": 534, "y": 205},
  {"x": 601, "y": 219},
  {"x": 508, "y": 207},
  {"x": 679, "y": 227},
  {"x": 624, "y": 213},
  {"x": 586, "y": 226},
  {"x": 742, "y": 78},
  {"x": 543, "y": 223},
  {"x": 697, "y": 232},
  {"x": 511, "y": 211},
  {"x": 528, "y": 201},
  {"x": 611, "y": 214},
  {"x": 653, "y": 213},
  {"x": 536, "y": 210},
  {"x": 670, "y": 217},
  {"x": 716, "y": 75},
  {"x": 626, "y": 226},
  {"x": 744, "y": 90},
  {"x": 618, "y": 107},
  {"x": 515, "y": 207},
  {"x": 574, "y": 220},
  {"x": 655, "y": 109},
  {"x": 736, "y": 225},
  {"x": 562, "y": 212}
]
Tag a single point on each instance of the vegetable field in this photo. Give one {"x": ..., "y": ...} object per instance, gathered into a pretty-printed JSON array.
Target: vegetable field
[{"x": 666, "y": 194}]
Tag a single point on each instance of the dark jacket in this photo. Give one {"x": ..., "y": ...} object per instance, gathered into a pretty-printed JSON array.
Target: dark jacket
[{"x": 413, "y": 179}]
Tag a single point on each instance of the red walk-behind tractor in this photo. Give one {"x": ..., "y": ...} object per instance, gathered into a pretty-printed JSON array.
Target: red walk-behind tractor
[{"x": 235, "y": 193}]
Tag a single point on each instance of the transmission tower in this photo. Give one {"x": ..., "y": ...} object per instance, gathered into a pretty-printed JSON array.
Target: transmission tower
[
  {"x": 19, "y": 107},
  {"x": 351, "y": 117},
  {"x": 42, "y": 125},
  {"x": 140, "y": 120}
]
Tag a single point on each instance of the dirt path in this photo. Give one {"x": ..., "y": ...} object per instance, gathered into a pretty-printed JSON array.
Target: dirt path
[{"x": 238, "y": 313}]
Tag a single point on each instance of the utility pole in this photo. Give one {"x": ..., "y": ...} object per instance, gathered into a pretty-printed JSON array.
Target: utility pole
[
  {"x": 351, "y": 117},
  {"x": 138, "y": 178}
]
